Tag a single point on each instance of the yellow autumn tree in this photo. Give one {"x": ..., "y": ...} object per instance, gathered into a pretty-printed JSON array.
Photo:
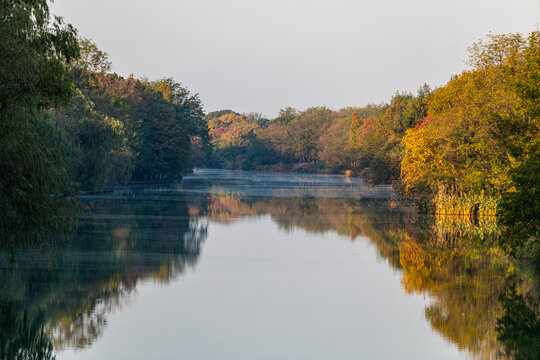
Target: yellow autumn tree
[{"x": 478, "y": 130}]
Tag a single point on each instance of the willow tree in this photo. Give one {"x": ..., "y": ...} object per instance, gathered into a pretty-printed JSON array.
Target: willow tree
[{"x": 34, "y": 50}]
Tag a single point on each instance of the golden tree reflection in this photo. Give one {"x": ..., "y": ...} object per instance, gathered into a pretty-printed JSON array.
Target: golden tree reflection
[{"x": 454, "y": 262}]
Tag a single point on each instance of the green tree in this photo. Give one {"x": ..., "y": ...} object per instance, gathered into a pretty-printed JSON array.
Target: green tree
[
  {"x": 92, "y": 58},
  {"x": 34, "y": 187},
  {"x": 97, "y": 156},
  {"x": 520, "y": 205},
  {"x": 33, "y": 51}
]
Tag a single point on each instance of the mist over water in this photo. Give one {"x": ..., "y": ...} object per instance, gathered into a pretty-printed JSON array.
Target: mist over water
[{"x": 256, "y": 184}]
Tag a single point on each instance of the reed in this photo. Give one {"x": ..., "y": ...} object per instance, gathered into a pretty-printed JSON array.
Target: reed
[{"x": 464, "y": 204}]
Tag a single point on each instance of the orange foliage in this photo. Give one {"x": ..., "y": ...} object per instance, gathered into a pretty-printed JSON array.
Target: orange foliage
[{"x": 230, "y": 126}]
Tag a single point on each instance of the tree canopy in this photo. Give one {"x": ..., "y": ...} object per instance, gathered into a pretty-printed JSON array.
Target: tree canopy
[
  {"x": 67, "y": 124},
  {"x": 34, "y": 186}
]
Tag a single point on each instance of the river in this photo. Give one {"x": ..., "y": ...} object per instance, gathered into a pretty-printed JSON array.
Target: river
[{"x": 248, "y": 265}]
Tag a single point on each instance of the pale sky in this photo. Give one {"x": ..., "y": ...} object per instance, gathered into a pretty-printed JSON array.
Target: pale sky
[{"x": 254, "y": 55}]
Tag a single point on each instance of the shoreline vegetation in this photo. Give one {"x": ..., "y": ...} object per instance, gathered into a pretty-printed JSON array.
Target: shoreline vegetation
[{"x": 68, "y": 125}]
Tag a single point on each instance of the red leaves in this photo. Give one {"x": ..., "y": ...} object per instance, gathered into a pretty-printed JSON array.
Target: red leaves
[{"x": 422, "y": 123}]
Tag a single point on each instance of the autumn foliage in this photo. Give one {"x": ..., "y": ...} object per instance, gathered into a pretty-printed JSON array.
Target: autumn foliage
[{"x": 467, "y": 148}]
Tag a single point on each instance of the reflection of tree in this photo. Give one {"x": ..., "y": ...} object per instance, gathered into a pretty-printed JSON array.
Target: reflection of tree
[
  {"x": 519, "y": 328},
  {"x": 22, "y": 337},
  {"x": 153, "y": 236},
  {"x": 125, "y": 240},
  {"x": 455, "y": 262},
  {"x": 372, "y": 218},
  {"x": 464, "y": 284}
]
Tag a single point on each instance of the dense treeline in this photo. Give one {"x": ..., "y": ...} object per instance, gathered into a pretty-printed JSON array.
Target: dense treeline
[
  {"x": 68, "y": 124},
  {"x": 126, "y": 128},
  {"x": 469, "y": 148},
  {"x": 364, "y": 140}
]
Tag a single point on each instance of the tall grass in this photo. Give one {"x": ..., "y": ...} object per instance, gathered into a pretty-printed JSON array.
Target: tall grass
[{"x": 455, "y": 203}]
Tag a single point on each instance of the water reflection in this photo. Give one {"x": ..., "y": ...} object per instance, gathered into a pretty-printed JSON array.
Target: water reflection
[
  {"x": 519, "y": 327},
  {"x": 454, "y": 261},
  {"x": 23, "y": 337},
  {"x": 63, "y": 296},
  {"x": 481, "y": 301}
]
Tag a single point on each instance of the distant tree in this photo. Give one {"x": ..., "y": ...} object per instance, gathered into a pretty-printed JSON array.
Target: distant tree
[
  {"x": 92, "y": 58},
  {"x": 287, "y": 114},
  {"x": 306, "y": 130},
  {"x": 276, "y": 136},
  {"x": 334, "y": 144},
  {"x": 190, "y": 112},
  {"x": 257, "y": 118},
  {"x": 376, "y": 137}
]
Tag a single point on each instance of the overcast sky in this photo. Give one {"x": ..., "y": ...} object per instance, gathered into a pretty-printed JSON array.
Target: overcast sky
[{"x": 254, "y": 55}]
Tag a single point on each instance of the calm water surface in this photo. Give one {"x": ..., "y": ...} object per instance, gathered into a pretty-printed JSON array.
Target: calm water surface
[{"x": 246, "y": 265}]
